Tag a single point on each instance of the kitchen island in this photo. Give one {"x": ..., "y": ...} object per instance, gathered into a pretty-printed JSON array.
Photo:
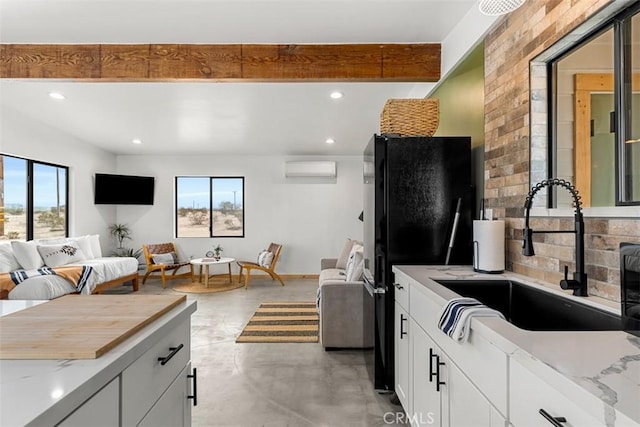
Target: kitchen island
[
  {"x": 591, "y": 378},
  {"x": 127, "y": 385}
]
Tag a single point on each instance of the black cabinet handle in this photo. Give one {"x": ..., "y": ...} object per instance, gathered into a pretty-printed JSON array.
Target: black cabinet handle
[
  {"x": 163, "y": 360},
  {"x": 431, "y": 373},
  {"x": 555, "y": 421},
  {"x": 194, "y": 396},
  {"x": 438, "y": 365},
  {"x": 398, "y": 286},
  {"x": 402, "y": 320}
]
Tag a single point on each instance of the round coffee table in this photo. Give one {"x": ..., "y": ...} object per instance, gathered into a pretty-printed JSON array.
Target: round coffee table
[{"x": 206, "y": 262}]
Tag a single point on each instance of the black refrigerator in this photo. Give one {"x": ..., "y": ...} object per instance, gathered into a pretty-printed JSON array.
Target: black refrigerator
[{"x": 413, "y": 187}]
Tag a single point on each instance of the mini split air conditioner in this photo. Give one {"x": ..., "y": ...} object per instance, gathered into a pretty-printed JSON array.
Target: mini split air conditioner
[{"x": 320, "y": 169}]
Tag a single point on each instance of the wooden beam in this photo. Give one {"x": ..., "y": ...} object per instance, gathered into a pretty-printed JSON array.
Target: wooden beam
[{"x": 227, "y": 62}]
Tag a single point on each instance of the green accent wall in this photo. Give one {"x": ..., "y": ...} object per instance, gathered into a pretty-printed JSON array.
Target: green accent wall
[{"x": 461, "y": 96}]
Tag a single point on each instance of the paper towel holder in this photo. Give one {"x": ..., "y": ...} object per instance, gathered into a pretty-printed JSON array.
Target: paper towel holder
[{"x": 483, "y": 263}]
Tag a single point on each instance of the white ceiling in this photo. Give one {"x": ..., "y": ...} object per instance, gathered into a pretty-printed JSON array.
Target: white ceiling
[{"x": 230, "y": 118}]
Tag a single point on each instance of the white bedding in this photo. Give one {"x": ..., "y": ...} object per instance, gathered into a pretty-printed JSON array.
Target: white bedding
[{"x": 50, "y": 286}]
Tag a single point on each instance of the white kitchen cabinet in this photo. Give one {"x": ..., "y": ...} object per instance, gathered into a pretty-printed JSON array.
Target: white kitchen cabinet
[
  {"x": 401, "y": 353},
  {"x": 530, "y": 395},
  {"x": 433, "y": 387},
  {"x": 426, "y": 400},
  {"x": 101, "y": 410},
  {"x": 170, "y": 410},
  {"x": 442, "y": 394}
]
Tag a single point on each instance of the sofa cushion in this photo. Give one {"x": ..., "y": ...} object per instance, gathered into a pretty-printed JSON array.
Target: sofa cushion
[
  {"x": 8, "y": 261},
  {"x": 344, "y": 255},
  {"x": 27, "y": 254},
  {"x": 168, "y": 258},
  {"x": 62, "y": 254},
  {"x": 332, "y": 274}
]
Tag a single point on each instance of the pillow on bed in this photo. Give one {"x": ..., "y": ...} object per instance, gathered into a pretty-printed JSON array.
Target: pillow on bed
[
  {"x": 27, "y": 254},
  {"x": 85, "y": 245},
  {"x": 42, "y": 287},
  {"x": 96, "y": 250},
  {"x": 57, "y": 255},
  {"x": 8, "y": 261}
]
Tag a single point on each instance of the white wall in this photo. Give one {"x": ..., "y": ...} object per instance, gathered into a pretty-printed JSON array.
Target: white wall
[
  {"x": 311, "y": 218},
  {"x": 23, "y": 137}
]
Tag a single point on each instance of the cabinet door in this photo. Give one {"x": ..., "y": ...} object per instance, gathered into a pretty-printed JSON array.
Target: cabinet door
[
  {"x": 102, "y": 409},
  {"x": 173, "y": 409},
  {"x": 466, "y": 406},
  {"x": 401, "y": 349},
  {"x": 426, "y": 398}
]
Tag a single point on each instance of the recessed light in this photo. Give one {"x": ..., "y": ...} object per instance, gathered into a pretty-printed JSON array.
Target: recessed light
[
  {"x": 57, "y": 95},
  {"x": 330, "y": 141},
  {"x": 136, "y": 141},
  {"x": 336, "y": 95}
]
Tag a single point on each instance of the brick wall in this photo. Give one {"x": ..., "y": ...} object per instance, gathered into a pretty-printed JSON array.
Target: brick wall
[{"x": 509, "y": 47}]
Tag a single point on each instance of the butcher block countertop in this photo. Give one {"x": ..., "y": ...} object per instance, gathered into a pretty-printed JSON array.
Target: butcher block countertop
[
  {"x": 39, "y": 392},
  {"x": 79, "y": 326}
]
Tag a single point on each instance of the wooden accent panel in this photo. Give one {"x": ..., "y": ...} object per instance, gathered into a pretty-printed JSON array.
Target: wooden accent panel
[
  {"x": 401, "y": 60},
  {"x": 169, "y": 62}
]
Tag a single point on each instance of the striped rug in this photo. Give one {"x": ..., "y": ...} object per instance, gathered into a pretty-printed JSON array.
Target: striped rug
[{"x": 282, "y": 322}]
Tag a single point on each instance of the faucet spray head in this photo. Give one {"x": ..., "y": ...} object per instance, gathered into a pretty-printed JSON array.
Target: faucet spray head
[{"x": 527, "y": 242}]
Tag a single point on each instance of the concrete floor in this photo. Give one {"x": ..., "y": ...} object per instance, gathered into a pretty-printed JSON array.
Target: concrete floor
[{"x": 278, "y": 384}]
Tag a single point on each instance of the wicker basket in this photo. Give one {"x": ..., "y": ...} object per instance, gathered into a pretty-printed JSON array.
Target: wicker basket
[{"x": 410, "y": 117}]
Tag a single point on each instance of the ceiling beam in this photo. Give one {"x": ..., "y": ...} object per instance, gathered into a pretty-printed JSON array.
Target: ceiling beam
[{"x": 223, "y": 62}]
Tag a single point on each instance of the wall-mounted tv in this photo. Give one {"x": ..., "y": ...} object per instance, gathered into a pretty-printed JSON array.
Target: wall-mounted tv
[{"x": 123, "y": 189}]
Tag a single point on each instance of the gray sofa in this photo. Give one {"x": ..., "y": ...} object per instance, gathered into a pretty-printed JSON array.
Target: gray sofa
[{"x": 346, "y": 316}]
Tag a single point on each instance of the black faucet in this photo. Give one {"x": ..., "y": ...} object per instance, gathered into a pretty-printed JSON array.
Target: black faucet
[{"x": 579, "y": 281}]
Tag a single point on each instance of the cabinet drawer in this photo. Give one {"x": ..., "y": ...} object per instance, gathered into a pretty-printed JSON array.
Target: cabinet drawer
[
  {"x": 401, "y": 290},
  {"x": 102, "y": 409},
  {"x": 529, "y": 394},
  {"x": 146, "y": 379},
  {"x": 482, "y": 362}
]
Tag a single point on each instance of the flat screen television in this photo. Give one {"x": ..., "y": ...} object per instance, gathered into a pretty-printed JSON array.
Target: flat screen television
[{"x": 123, "y": 189}]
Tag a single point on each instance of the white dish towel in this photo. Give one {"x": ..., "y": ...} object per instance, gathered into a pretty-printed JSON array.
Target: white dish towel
[{"x": 455, "y": 317}]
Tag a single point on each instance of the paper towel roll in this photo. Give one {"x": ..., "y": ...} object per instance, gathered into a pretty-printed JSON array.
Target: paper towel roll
[{"x": 488, "y": 246}]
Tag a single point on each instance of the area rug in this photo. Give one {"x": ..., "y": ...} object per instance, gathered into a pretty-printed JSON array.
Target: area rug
[
  {"x": 280, "y": 322},
  {"x": 190, "y": 287}
]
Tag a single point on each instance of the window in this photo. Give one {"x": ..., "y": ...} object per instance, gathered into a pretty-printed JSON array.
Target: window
[
  {"x": 594, "y": 93},
  {"x": 33, "y": 203},
  {"x": 209, "y": 206}
]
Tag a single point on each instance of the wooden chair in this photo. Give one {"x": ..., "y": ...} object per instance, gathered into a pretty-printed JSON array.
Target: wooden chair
[
  {"x": 159, "y": 249},
  {"x": 275, "y": 249}
]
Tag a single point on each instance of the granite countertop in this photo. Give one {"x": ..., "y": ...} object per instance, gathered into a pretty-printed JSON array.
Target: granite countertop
[
  {"x": 43, "y": 392},
  {"x": 604, "y": 364}
]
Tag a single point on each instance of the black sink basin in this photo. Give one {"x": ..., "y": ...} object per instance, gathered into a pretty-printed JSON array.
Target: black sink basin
[{"x": 533, "y": 309}]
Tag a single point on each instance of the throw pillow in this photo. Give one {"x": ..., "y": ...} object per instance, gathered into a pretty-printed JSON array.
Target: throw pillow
[
  {"x": 27, "y": 254},
  {"x": 57, "y": 255},
  {"x": 356, "y": 271},
  {"x": 265, "y": 258},
  {"x": 355, "y": 256},
  {"x": 42, "y": 287},
  {"x": 94, "y": 239},
  {"x": 344, "y": 255},
  {"x": 168, "y": 258},
  {"x": 85, "y": 244},
  {"x": 8, "y": 261}
]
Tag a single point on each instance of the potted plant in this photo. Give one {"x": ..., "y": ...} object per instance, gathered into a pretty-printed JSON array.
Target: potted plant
[
  {"x": 217, "y": 251},
  {"x": 120, "y": 232}
]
